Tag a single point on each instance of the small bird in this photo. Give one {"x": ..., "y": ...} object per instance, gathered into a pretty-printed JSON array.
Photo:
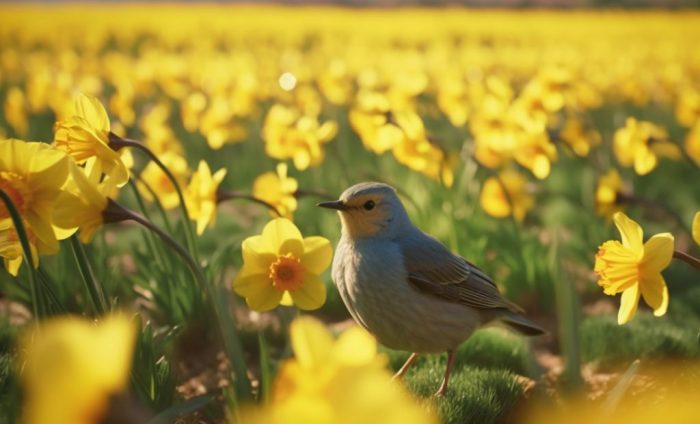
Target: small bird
[{"x": 406, "y": 287}]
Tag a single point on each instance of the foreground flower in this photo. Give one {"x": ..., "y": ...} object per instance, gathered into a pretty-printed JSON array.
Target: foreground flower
[
  {"x": 634, "y": 269},
  {"x": 277, "y": 189},
  {"x": 200, "y": 195},
  {"x": 72, "y": 367},
  {"x": 341, "y": 381},
  {"x": 279, "y": 266},
  {"x": 85, "y": 135},
  {"x": 506, "y": 195}
]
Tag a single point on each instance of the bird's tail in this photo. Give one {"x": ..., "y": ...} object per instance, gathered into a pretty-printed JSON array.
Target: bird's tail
[{"x": 522, "y": 325}]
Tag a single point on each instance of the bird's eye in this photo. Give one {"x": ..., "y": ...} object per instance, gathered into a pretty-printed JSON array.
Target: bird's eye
[{"x": 369, "y": 205}]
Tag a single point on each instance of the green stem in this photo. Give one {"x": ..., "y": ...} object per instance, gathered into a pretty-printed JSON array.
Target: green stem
[
  {"x": 37, "y": 307},
  {"x": 97, "y": 297},
  {"x": 222, "y": 196},
  {"x": 690, "y": 260},
  {"x": 117, "y": 143},
  {"x": 232, "y": 344}
]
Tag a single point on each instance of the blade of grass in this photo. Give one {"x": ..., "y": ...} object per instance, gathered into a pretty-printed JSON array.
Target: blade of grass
[{"x": 94, "y": 289}]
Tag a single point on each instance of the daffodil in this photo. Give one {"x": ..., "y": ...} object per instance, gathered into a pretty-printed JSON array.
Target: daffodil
[
  {"x": 85, "y": 135},
  {"x": 277, "y": 189},
  {"x": 692, "y": 143},
  {"x": 200, "y": 195},
  {"x": 578, "y": 137},
  {"x": 696, "y": 228},
  {"x": 11, "y": 248},
  {"x": 153, "y": 180},
  {"x": 336, "y": 381},
  {"x": 281, "y": 266},
  {"x": 608, "y": 192},
  {"x": 640, "y": 144},
  {"x": 32, "y": 174},
  {"x": 634, "y": 268},
  {"x": 506, "y": 195}
]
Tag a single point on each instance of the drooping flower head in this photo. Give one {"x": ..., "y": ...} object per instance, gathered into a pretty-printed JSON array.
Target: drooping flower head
[
  {"x": 200, "y": 195},
  {"x": 633, "y": 268},
  {"x": 280, "y": 266}
]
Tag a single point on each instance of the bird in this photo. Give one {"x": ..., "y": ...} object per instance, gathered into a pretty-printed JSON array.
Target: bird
[{"x": 404, "y": 286}]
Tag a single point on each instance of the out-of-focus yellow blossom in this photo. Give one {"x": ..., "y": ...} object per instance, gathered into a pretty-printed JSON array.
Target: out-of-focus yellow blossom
[
  {"x": 692, "y": 143},
  {"x": 32, "y": 174},
  {"x": 336, "y": 381},
  {"x": 536, "y": 153},
  {"x": 640, "y": 144},
  {"x": 696, "y": 227},
  {"x": 290, "y": 135},
  {"x": 82, "y": 204},
  {"x": 15, "y": 109},
  {"x": 281, "y": 266},
  {"x": 607, "y": 193},
  {"x": 219, "y": 123},
  {"x": 72, "y": 367},
  {"x": 506, "y": 195},
  {"x": 192, "y": 109},
  {"x": 578, "y": 137},
  {"x": 688, "y": 107},
  {"x": 201, "y": 195},
  {"x": 634, "y": 268},
  {"x": 85, "y": 135},
  {"x": 156, "y": 179},
  {"x": 277, "y": 189},
  {"x": 370, "y": 118},
  {"x": 158, "y": 135}
]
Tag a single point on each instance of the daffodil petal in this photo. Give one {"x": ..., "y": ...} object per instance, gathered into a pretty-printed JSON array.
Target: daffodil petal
[
  {"x": 311, "y": 341},
  {"x": 311, "y": 295},
  {"x": 92, "y": 110},
  {"x": 655, "y": 293},
  {"x": 696, "y": 228},
  {"x": 283, "y": 237},
  {"x": 287, "y": 299},
  {"x": 630, "y": 232},
  {"x": 256, "y": 256},
  {"x": 658, "y": 252},
  {"x": 628, "y": 304},
  {"x": 355, "y": 347},
  {"x": 259, "y": 293},
  {"x": 318, "y": 254}
]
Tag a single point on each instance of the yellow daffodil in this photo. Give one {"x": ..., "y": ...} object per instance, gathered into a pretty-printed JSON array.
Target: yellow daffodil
[
  {"x": 634, "y": 268},
  {"x": 15, "y": 109},
  {"x": 277, "y": 189},
  {"x": 607, "y": 193},
  {"x": 152, "y": 177},
  {"x": 281, "y": 266},
  {"x": 71, "y": 368},
  {"x": 85, "y": 135},
  {"x": 579, "y": 138},
  {"x": 11, "y": 248},
  {"x": 692, "y": 143},
  {"x": 640, "y": 144},
  {"x": 336, "y": 381},
  {"x": 506, "y": 195},
  {"x": 696, "y": 228},
  {"x": 32, "y": 174},
  {"x": 200, "y": 195}
]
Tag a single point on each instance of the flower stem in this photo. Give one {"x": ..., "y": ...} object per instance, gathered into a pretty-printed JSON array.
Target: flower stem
[
  {"x": 94, "y": 290},
  {"x": 37, "y": 307},
  {"x": 117, "y": 143},
  {"x": 690, "y": 260},
  {"x": 222, "y": 196},
  {"x": 232, "y": 344}
]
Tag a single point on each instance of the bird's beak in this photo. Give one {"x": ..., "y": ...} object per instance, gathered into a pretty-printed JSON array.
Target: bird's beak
[{"x": 335, "y": 204}]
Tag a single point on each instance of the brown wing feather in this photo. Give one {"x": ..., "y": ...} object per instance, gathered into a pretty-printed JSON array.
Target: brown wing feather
[{"x": 433, "y": 269}]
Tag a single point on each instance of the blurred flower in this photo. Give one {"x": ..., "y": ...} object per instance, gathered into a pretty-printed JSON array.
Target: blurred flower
[
  {"x": 154, "y": 177},
  {"x": 200, "y": 195},
  {"x": 11, "y": 248},
  {"x": 688, "y": 106},
  {"x": 634, "y": 269},
  {"x": 281, "y": 266},
  {"x": 640, "y": 144},
  {"x": 579, "y": 138},
  {"x": 32, "y": 174},
  {"x": 341, "y": 381},
  {"x": 85, "y": 135},
  {"x": 506, "y": 195},
  {"x": 692, "y": 143},
  {"x": 16, "y": 111},
  {"x": 370, "y": 118},
  {"x": 72, "y": 367},
  {"x": 277, "y": 189},
  {"x": 696, "y": 227},
  {"x": 608, "y": 192}
]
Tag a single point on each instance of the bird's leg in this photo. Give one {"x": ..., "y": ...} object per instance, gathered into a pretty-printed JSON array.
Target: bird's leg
[
  {"x": 450, "y": 364},
  {"x": 411, "y": 359}
]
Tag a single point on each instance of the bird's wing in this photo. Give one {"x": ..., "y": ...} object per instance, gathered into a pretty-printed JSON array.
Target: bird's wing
[{"x": 434, "y": 270}]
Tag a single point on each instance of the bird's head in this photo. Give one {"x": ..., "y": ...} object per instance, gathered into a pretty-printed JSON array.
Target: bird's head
[{"x": 370, "y": 210}]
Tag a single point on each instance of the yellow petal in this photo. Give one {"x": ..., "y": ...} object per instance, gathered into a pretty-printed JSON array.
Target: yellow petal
[
  {"x": 282, "y": 237},
  {"x": 311, "y": 295},
  {"x": 258, "y": 291},
  {"x": 644, "y": 160},
  {"x": 493, "y": 199},
  {"x": 287, "y": 299},
  {"x": 355, "y": 347},
  {"x": 317, "y": 254},
  {"x": 311, "y": 341},
  {"x": 90, "y": 109},
  {"x": 630, "y": 232},
  {"x": 696, "y": 228},
  {"x": 655, "y": 293},
  {"x": 658, "y": 252},
  {"x": 628, "y": 304},
  {"x": 256, "y": 255}
]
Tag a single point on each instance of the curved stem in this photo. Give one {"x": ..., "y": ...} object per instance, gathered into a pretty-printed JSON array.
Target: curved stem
[
  {"x": 117, "y": 143},
  {"x": 37, "y": 308},
  {"x": 232, "y": 344},
  {"x": 222, "y": 196},
  {"x": 690, "y": 260}
]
